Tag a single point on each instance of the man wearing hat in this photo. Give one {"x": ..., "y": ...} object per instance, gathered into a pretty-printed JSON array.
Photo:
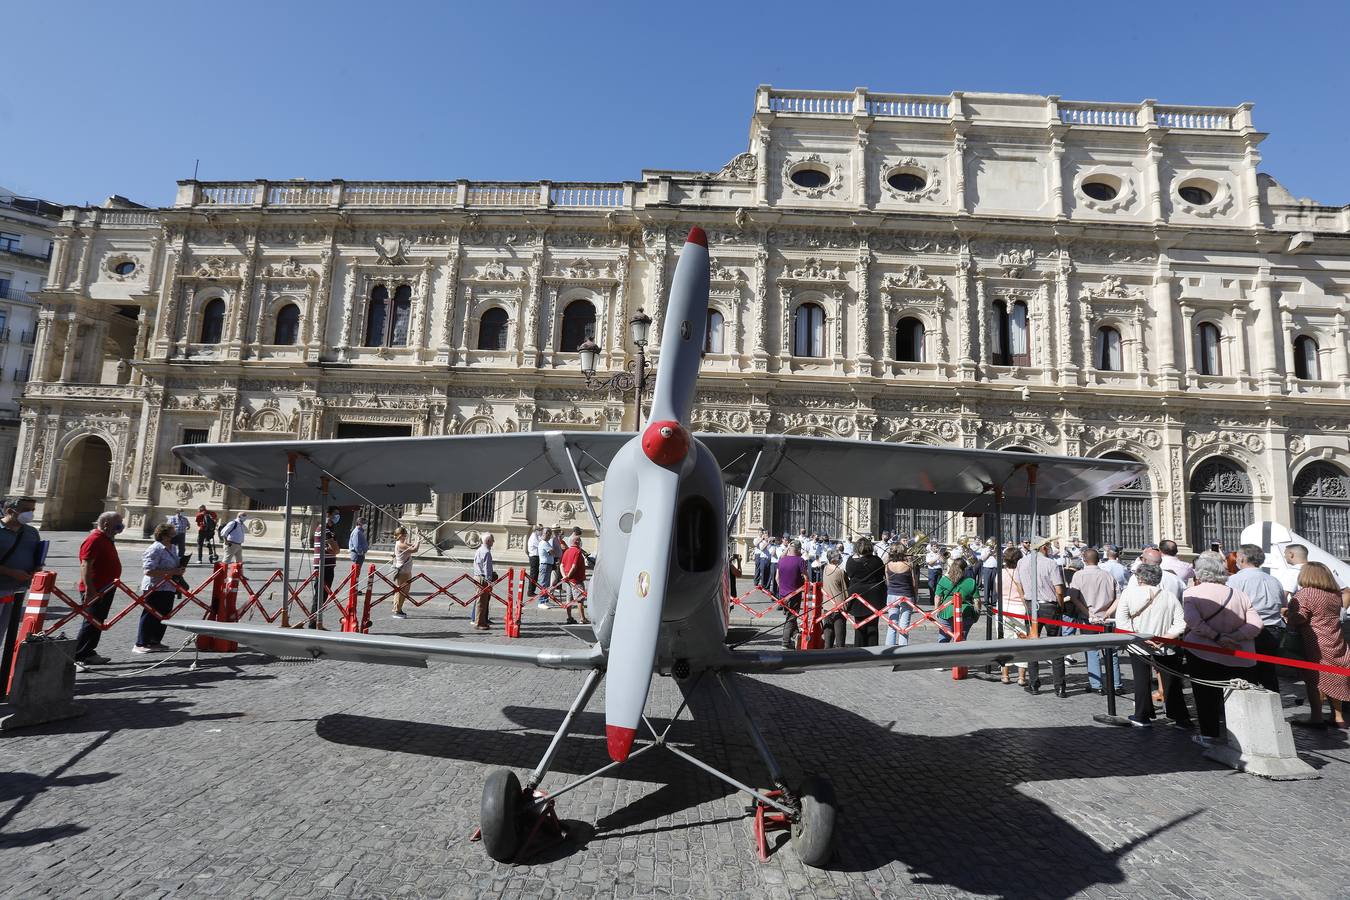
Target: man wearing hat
[{"x": 1042, "y": 580}]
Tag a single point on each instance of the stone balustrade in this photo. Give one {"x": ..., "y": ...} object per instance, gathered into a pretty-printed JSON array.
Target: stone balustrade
[{"x": 400, "y": 195}]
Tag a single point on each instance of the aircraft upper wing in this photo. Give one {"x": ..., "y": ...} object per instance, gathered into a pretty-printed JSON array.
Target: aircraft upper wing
[
  {"x": 915, "y": 475},
  {"x": 924, "y": 656},
  {"x": 392, "y": 650},
  {"x": 407, "y": 469}
]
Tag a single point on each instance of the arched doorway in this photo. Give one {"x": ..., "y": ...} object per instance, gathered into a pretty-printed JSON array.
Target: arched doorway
[
  {"x": 1221, "y": 504},
  {"x": 88, "y": 466},
  {"x": 1123, "y": 517},
  {"x": 1322, "y": 508}
]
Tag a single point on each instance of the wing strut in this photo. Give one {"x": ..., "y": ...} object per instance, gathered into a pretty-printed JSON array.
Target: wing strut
[
  {"x": 586, "y": 498},
  {"x": 740, "y": 498}
]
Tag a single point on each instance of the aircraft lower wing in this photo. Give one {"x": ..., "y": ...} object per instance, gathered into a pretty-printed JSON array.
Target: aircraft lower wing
[
  {"x": 391, "y": 650},
  {"x": 924, "y": 656}
]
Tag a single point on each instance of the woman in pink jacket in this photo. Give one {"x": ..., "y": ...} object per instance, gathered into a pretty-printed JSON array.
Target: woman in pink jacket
[{"x": 1220, "y": 617}]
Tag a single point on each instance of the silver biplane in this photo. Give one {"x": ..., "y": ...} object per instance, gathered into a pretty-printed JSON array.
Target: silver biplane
[{"x": 658, "y": 591}]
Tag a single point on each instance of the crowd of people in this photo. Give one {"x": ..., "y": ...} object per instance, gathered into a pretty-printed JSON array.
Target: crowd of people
[{"x": 1220, "y": 603}]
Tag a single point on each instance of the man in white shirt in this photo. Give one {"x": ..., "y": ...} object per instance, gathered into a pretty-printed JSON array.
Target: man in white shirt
[
  {"x": 484, "y": 573},
  {"x": 1268, "y": 599},
  {"x": 989, "y": 570},
  {"x": 1184, "y": 571},
  {"x": 1295, "y": 556},
  {"x": 532, "y": 552},
  {"x": 762, "y": 559},
  {"x": 180, "y": 522},
  {"x": 233, "y": 533}
]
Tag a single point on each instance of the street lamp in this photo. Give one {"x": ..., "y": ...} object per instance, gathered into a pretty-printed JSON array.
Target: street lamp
[{"x": 634, "y": 375}]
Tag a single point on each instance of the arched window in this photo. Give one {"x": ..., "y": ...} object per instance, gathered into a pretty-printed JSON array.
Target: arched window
[
  {"x": 1106, "y": 355},
  {"x": 213, "y": 321},
  {"x": 288, "y": 325},
  {"x": 1123, "y": 517},
  {"x": 578, "y": 324},
  {"x": 492, "y": 326},
  {"x": 1322, "y": 508},
  {"x": 1221, "y": 504},
  {"x": 1010, "y": 345},
  {"x": 808, "y": 330},
  {"x": 909, "y": 340},
  {"x": 1207, "y": 361},
  {"x": 1305, "y": 359},
  {"x": 712, "y": 335},
  {"x": 377, "y": 316}
]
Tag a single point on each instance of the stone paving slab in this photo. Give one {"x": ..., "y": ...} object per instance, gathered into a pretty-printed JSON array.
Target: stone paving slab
[{"x": 255, "y": 777}]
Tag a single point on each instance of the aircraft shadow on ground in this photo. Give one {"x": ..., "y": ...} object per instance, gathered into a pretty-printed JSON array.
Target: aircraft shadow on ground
[{"x": 948, "y": 808}]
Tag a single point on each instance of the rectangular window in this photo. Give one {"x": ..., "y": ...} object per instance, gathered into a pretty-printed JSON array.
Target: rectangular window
[
  {"x": 193, "y": 436},
  {"x": 478, "y": 507},
  {"x": 4, "y": 286},
  {"x": 9, "y": 241}
]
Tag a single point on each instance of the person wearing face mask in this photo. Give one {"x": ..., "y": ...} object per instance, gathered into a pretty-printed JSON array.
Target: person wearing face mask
[
  {"x": 100, "y": 567},
  {"x": 20, "y": 551},
  {"x": 326, "y": 546}
]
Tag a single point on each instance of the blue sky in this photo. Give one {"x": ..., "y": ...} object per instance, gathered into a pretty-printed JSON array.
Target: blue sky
[{"x": 106, "y": 98}]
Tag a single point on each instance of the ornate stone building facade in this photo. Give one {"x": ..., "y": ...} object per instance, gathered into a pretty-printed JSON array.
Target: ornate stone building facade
[{"x": 983, "y": 270}]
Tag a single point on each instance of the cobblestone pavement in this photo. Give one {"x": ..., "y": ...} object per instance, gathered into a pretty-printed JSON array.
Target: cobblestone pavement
[{"x": 253, "y": 777}]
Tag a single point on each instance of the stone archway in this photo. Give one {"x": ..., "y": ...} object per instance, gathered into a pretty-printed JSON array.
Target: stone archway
[{"x": 86, "y": 471}]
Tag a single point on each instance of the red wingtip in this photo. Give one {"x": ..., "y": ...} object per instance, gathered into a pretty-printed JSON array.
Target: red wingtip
[
  {"x": 620, "y": 741},
  {"x": 696, "y": 236}
]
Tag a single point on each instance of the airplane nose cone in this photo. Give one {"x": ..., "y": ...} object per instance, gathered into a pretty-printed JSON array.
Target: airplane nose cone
[{"x": 620, "y": 741}]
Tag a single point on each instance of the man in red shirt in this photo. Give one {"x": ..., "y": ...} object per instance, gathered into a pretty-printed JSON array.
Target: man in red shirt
[
  {"x": 100, "y": 567},
  {"x": 574, "y": 576}
]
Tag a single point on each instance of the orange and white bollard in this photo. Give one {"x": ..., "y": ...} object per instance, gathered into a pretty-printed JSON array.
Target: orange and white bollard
[
  {"x": 34, "y": 616},
  {"x": 222, "y": 607},
  {"x": 958, "y": 672},
  {"x": 349, "y": 618}
]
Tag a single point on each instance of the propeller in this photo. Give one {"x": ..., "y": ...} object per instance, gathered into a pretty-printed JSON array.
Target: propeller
[{"x": 665, "y": 445}]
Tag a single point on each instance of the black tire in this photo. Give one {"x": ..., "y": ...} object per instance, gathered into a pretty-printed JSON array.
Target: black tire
[
  {"x": 501, "y": 815},
  {"x": 813, "y": 833}
]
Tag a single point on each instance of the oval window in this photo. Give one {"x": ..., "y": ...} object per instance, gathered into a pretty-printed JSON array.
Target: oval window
[
  {"x": 1196, "y": 195},
  {"x": 907, "y": 182},
  {"x": 1100, "y": 190},
  {"x": 810, "y": 178},
  {"x": 125, "y": 267}
]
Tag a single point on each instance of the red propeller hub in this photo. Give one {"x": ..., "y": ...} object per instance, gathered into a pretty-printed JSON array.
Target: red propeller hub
[{"x": 665, "y": 443}]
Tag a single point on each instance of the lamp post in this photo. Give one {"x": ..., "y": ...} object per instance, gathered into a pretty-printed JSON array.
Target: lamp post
[{"x": 634, "y": 375}]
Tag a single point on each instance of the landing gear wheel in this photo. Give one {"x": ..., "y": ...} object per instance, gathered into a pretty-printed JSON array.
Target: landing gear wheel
[
  {"x": 502, "y": 818},
  {"x": 813, "y": 832}
]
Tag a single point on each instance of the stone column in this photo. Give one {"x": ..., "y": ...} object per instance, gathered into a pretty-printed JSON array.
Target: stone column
[
  {"x": 1188, "y": 344},
  {"x": 1070, "y": 330},
  {"x": 1341, "y": 354},
  {"x": 43, "y": 340},
  {"x": 863, "y": 356},
  {"x": 759, "y": 358},
  {"x": 1244, "y": 361},
  {"x": 451, "y": 294},
  {"x": 967, "y": 368},
  {"x": 983, "y": 350},
  {"x": 959, "y": 169},
  {"x": 68, "y": 356},
  {"x": 1268, "y": 349},
  {"x": 1165, "y": 325},
  {"x": 1057, "y": 170},
  {"x": 763, "y": 138}
]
